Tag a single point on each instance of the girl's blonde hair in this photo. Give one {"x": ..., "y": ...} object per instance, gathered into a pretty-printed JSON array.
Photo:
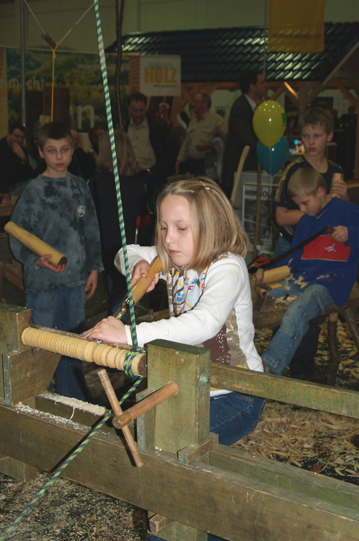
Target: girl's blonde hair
[
  {"x": 126, "y": 161},
  {"x": 215, "y": 227}
]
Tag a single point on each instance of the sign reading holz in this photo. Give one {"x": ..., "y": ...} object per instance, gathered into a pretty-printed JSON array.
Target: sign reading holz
[{"x": 160, "y": 75}]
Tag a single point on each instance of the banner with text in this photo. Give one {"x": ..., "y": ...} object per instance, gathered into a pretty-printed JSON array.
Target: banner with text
[
  {"x": 296, "y": 27},
  {"x": 160, "y": 75}
]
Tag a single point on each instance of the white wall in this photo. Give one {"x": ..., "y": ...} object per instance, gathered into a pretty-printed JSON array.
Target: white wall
[{"x": 57, "y": 18}]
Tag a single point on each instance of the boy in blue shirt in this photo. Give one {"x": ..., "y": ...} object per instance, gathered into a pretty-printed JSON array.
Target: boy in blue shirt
[
  {"x": 57, "y": 207},
  {"x": 328, "y": 264}
]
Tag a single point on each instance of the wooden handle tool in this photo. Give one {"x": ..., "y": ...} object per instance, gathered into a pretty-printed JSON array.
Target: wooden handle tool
[
  {"x": 35, "y": 244},
  {"x": 116, "y": 408},
  {"x": 140, "y": 287},
  {"x": 145, "y": 405}
]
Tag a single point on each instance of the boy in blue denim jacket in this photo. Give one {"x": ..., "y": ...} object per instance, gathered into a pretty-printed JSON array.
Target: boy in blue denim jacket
[
  {"x": 57, "y": 207},
  {"x": 327, "y": 265}
]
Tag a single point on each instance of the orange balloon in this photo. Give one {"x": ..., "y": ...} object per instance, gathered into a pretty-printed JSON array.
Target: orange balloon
[{"x": 269, "y": 122}]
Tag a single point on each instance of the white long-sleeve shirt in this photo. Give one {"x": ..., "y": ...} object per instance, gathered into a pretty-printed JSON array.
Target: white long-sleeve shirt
[{"x": 224, "y": 311}]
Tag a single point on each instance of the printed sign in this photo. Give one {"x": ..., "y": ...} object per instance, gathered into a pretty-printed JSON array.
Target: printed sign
[{"x": 160, "y": 75}]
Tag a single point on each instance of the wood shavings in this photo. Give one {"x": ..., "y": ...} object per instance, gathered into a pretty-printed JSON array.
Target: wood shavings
[
  {"x": 313, "y": 440},
  {"x": 299, "y": 435}
]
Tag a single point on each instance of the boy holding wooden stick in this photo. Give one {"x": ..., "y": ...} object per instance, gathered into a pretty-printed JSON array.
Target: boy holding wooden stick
[
  {"x": 323, "y": 271},
  {"x": 57, "y": 207}
]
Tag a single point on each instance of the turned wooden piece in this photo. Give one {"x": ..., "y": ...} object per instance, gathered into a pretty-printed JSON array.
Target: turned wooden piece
[
  {"x": 102, "y": 354},
  {"x": 116, "y": 408},
  {"x": 140, "y": 287},
  {"x": 334, "y": 358},
  {"x": 35, "y": 244}
]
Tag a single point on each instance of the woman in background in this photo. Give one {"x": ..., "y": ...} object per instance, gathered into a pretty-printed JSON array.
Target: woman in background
[{"x": 134, "y": 203}]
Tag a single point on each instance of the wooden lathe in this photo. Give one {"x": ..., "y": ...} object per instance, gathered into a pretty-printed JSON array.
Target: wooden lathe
[{"x": 189, "y": 483}]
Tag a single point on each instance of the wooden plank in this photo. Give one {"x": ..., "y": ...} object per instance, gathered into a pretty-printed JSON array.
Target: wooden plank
[
  {"x": 183, "y": 419},
  {"x": 13, "y": 319},
  {"x": 16, "y": 469},
  {"x": 190, "y": 454},
  {"x": 71, "y": 409},
  {"x": 205, "y": 497},
  {"x": 285, "y": 476},
  {"x": 27, "y": 374},
  {"x": 290, "y": 391},
  {"x": 157, "y": 523},
  {"x": 12, "y": 274}
]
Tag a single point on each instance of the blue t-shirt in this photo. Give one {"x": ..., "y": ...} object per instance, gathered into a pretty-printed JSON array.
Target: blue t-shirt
[{"x": 325, "y": 261}]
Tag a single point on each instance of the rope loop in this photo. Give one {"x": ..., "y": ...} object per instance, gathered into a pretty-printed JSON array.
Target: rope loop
[{"x": 127, "y": 363}]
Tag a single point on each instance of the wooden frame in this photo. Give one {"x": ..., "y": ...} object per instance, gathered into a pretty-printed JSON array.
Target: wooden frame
[{"x": 190, "y": 484}]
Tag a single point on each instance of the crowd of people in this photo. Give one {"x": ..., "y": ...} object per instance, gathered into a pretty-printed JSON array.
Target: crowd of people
[{"x": 67, "y": 197}]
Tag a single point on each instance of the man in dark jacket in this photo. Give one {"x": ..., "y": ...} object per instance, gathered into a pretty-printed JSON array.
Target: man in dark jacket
[
  {"x": 240, "y": 128},
  {"x": 155, "y": 149}
]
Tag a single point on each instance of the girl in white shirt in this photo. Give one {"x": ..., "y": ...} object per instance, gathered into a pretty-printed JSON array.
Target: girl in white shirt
[{"x": 202, "y": 246}]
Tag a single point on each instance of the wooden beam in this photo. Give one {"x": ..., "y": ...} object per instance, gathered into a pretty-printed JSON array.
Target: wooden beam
[
  {"x": 290, "y": 391},
  {"x": 292, "y": 95},
  {"x": 257, "y": 510},
  {"x": 347, "y": 94}
]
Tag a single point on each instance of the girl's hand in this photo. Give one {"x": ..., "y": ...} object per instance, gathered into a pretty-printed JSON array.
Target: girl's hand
[
  {"x": 110, "y": 330},
  {"x": 340, "y": 233},
  {"x": 44, "y": 263},
  {"x": 140, "y": 270}
]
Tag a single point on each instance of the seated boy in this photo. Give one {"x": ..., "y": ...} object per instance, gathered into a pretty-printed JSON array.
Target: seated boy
[
  {"x": 316, "y": 127},
  {"x": 328, "y": 264},
  {"x": 57, "y": 207}
]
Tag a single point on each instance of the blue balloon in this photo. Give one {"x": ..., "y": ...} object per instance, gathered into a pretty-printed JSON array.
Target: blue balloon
[{"x": 272, "y": 158}]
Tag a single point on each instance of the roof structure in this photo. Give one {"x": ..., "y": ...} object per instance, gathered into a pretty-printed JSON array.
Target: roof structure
[{"x": 221, "y": 54}]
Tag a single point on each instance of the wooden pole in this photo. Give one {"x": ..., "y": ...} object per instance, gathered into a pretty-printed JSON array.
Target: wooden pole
[
  {"x": 238, "y": 173},
  {"x": 35, "y": 244},
  {"x": 258, "y": 211}
]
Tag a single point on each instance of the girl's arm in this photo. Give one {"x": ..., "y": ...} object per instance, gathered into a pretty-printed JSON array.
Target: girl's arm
[
  {"x": 226, "y": 284},
  {"x": 135, "y": 253}
]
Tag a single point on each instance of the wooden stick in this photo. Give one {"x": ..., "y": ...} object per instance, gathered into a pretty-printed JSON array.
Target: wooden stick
[
  {"x": 140, "y": 287},
  {"x": 35, "y": 244},
  {"x": 145, "y": 405},
  {"x": 243, "y": 157},
  {"x": 101, "y": 354},
  {"x": 275, "y": 275},
  {"x": 116, "y": 408},
  {"x": 258, "y": 211}
]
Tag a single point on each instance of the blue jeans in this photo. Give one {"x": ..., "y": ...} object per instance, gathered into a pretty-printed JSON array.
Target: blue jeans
[
  {"x": 62, "y": 309},
  {"x": 232, "y": 416},
  {"x": 311, "y": 301}
]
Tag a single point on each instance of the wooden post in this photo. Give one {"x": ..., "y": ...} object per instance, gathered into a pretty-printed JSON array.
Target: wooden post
[
  {"x": 182, "y": 420},
  {"x": 258, "y": 211}
]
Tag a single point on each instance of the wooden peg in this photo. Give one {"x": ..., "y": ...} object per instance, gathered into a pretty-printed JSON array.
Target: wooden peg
[
  {"x": 145, "y": 405},
  {"x": 116, "y": 408}
]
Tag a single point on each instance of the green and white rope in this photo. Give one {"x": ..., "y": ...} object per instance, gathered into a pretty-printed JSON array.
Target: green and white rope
[{"x": 101, "y": 51}]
